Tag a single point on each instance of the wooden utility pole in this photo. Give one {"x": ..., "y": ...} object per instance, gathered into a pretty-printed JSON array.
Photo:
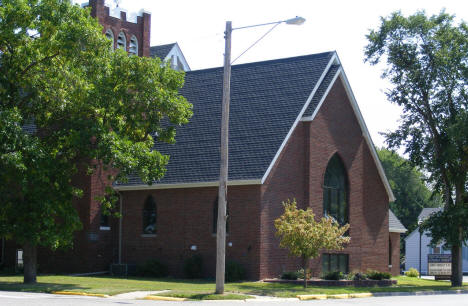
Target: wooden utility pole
[{"x": 223, "y": 172}]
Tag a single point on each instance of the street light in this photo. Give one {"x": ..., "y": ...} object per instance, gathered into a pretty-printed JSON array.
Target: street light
[
  {"x": 420, "y": 235},
  {"x": 223, "y": 172}
]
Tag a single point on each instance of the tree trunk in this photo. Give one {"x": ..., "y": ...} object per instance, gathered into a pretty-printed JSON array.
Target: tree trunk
[
  {"x": 457, "y": 269},
  {"x": 29, "y": 262},
  {"x": 305, "y": 267}
]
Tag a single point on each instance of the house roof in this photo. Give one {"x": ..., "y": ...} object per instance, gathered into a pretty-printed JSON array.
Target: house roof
[
  {"x": 266, "y": 99},
  {"x": 394, "y": 225},
  {"x": 426, "y": 212},
  {"x": 161, "y": 51}
]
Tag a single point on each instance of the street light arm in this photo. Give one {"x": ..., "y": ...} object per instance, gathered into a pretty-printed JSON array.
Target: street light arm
[
  {"x": 277, "y": 24},
  {"x": 296, "y": 21}
]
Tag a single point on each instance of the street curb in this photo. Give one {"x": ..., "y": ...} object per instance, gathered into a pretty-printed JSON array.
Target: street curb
[
  {"x": 80, "y": 293},
  {"x": 305, "y": 297},
  {"x": 376, "y": 294},
  {"x": 436, "y": 292},
  {"x": 164, "y": 298}
]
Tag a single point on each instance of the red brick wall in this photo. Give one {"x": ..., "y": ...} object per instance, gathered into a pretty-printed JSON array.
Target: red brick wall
[
  {"x": 141, "y": 29},
  {"x": 299, "y": 172},
  {"x": 93, "y": 249},
  {"x": 185, "y": 218},
  {"x": 395, "y": 253}
]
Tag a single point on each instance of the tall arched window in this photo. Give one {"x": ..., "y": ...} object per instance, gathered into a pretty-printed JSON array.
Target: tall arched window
[
  {"x": 215, "y": 217},
  {"x": 149, "y": 216},
  {"x": 110, "y": 36},
  {"x": 122, "y": 41},
  {"x": 335, "y": 191},
  {"x": 133, "y": 47}
]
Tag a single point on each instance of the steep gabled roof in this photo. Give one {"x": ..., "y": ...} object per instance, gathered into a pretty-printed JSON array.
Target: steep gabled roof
[
  {"x": 267, "y": 99},
  {"x": 161, "y": 51},
  {"x": 426, "y": 212}
]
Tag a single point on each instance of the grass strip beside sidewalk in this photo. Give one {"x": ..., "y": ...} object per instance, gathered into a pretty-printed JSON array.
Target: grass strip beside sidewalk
[{"x": 201, "y": 289}]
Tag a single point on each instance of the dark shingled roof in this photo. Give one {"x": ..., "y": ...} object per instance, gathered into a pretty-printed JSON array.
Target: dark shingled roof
[
  {"x": 161, "y": 51},
  {"x": 266, "y": 99},
  {"x": 321, "y": 90},
  {"x": 394, "y": 224}
]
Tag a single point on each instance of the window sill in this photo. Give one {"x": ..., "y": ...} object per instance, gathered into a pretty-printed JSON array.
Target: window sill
[
  {"x": 148, "y": 235},
  {"x": 389, "y": 266},
  {"x": 104, "y": 228}
]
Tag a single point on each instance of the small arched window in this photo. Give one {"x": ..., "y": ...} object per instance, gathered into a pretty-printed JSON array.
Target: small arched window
[
  {"x": 215, "y": 217},
  {"x": 149, "y": 216},
  {"x": 335, "y": 191},
  {"x": 110, "y": 36},
  {"x": 122, "y": 41},
  {"x": 133, "y": 47}
]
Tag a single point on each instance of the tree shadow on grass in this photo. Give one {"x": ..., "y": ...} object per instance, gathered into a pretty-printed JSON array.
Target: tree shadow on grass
[{"x": 39, "y": 287}]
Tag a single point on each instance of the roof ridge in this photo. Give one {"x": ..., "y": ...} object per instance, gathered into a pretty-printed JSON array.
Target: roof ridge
[
  {"x": 266, "y": 62},
  {"x": 165, "y": 45}
]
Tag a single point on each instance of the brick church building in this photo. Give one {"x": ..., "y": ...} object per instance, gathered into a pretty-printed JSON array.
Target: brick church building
[{"x": 295, "y": 132}]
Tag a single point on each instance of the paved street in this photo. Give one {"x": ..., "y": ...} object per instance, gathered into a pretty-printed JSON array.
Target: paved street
[{"x": 40, "y": 299}]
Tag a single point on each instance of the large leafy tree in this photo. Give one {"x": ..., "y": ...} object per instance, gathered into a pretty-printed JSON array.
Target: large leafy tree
[
  {"x": 427, "y": 65},
  {"x": 408, "y": 184},
  {"x": 305, "y": 237},
  {"x": 68, "y": 103}
]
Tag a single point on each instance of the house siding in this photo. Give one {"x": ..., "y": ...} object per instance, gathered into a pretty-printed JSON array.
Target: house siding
[{"x": 412, "y": 252}]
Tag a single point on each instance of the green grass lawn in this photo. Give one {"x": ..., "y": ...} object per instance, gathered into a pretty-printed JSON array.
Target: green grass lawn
[{"x": 201, "y": 289}]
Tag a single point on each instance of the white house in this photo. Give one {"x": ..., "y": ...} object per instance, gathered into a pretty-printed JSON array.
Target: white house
[{"x": 412, "y": 243}]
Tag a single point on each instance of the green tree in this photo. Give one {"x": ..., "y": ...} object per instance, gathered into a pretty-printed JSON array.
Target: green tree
[
  {"x": 427, "y": 65},
  {"x": 89, "y": 107},
  {"x": 305, "y": 237},
  {"x": 409, "y": 188}
]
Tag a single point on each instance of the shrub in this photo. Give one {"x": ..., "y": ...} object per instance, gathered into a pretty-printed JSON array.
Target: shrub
[
  {"x": 356, "y": 276},
  {"x": 153, "y": 268},
  {"x": 376, "y": 275},
  {"x": 412, "y": 272},
  {"x": 193, "y": 267},
  {"x": 234, "y": 272},
  {"x": 335, "y": 275},
  {"x": 359, "y": 276},
  {"x": 291, "y": 275}
]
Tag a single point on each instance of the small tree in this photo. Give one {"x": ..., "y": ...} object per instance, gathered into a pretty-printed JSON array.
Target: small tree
[{"x": 305, "y": 237}]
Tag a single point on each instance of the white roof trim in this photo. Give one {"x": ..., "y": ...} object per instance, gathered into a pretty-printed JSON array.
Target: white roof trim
[
  {"x": 396, "y": 230},
  {"x": 357, "y": 112},
  {"x": 185, "y": 185},
  {"x": 333, "y": 60},
  {"x": 325, "y": 94},
  {"x": 366, "y": 135},
  {"x": 175, "y": 50}
]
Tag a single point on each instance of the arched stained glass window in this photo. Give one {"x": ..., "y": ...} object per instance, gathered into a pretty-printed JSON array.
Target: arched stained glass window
[
  {"x": 122, "y": 41},
  {"x": 149, "y": 216},
  {"x": 133, "y": 47},
  {"x": 335, "y": 191},
  {"x": 110, "y": 36}
]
